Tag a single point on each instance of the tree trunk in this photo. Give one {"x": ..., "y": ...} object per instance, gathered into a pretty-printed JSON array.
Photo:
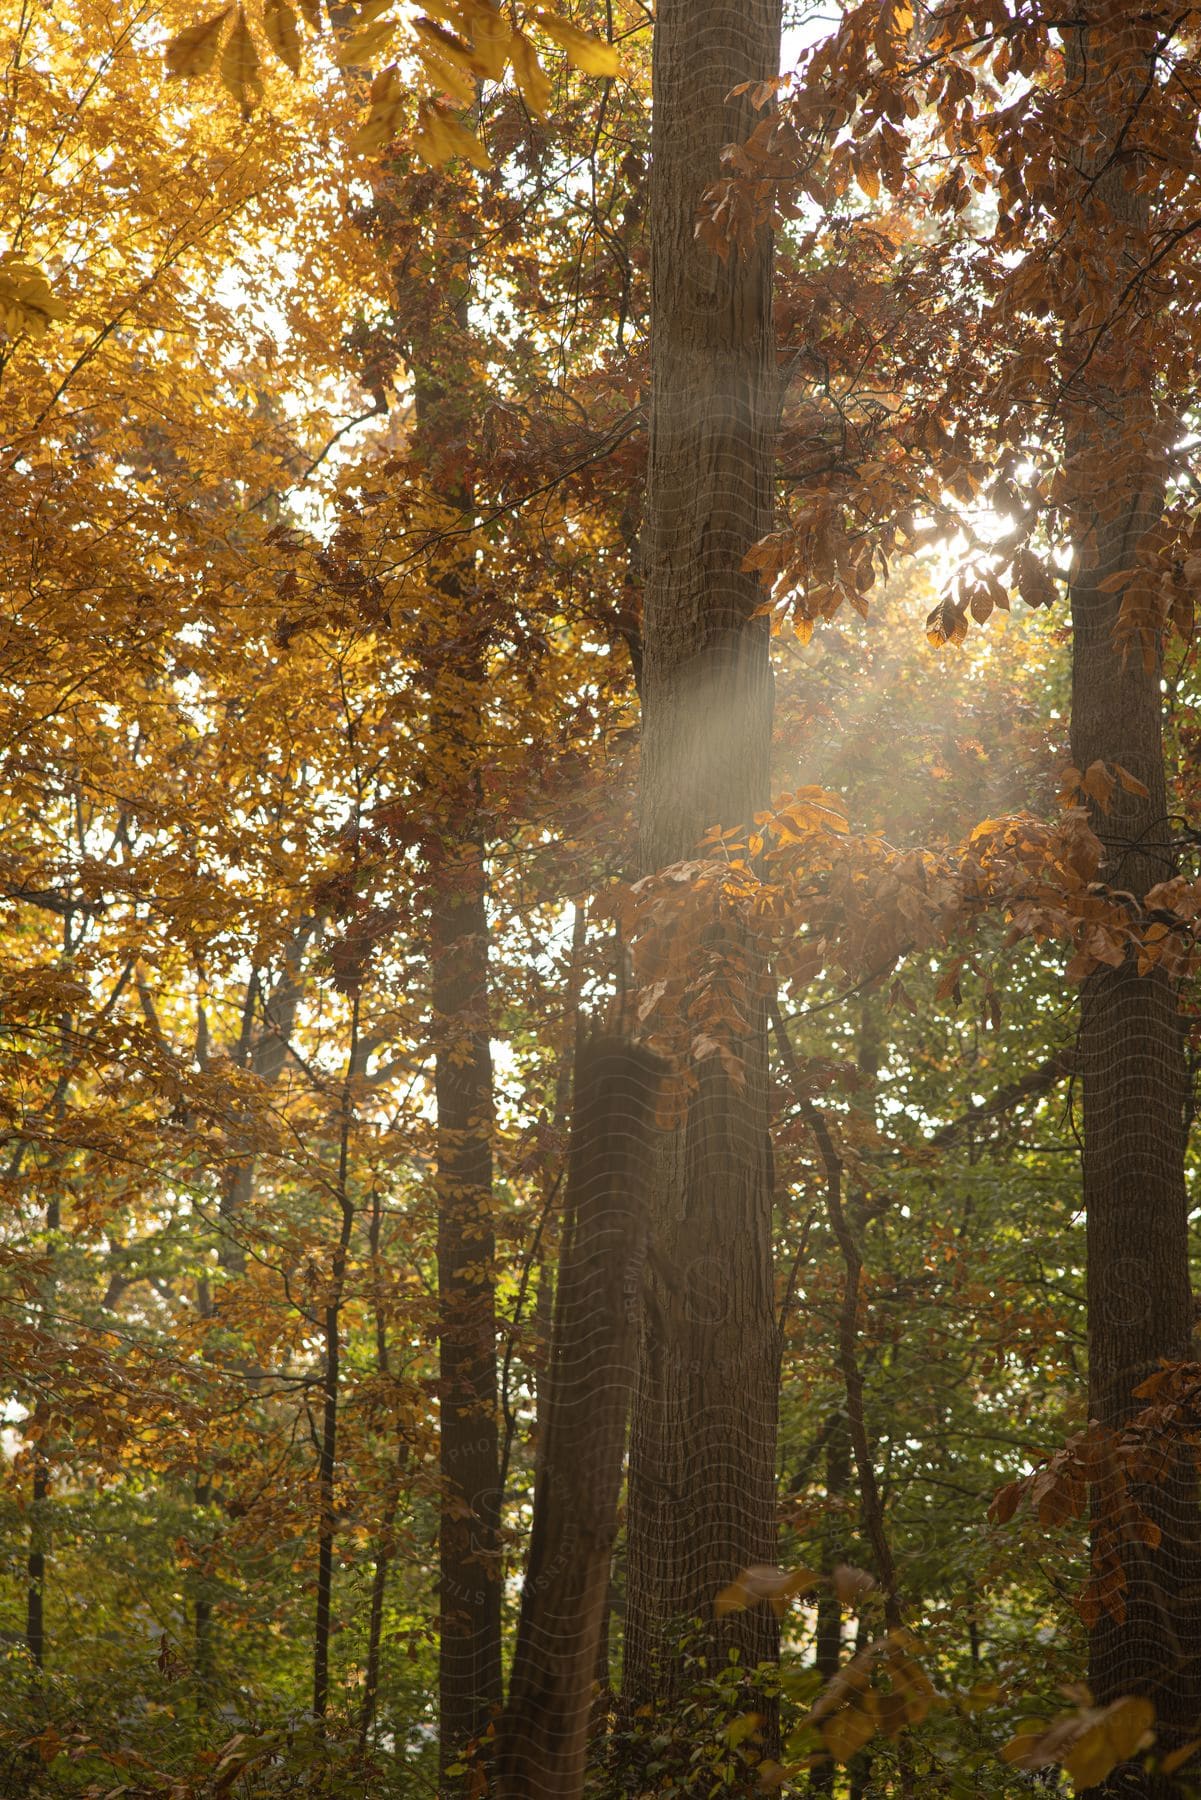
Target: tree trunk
[
  {"x": 543, "y": 1735},
  {"x": 702, "y": 1451},
  {"x": 1131, "y": 1056},
  {"x": 828, "y": 1647},
  {"x": 327, "y": 1461},
  {"x": 386, "y": 1545},
  {"x": 469, "y": 1670},
  {"x": 264, "y": 1053}
]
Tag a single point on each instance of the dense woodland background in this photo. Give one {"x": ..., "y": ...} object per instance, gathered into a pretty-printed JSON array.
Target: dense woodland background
[{"x": 465, "y": 593}]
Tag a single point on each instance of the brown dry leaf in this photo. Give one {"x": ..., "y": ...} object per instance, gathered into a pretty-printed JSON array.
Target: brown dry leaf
[
  {"x": 850, "y": 1584},
  {"x": 1131, "y": 783},
  {"x": 851, "y": 1728},
  {"x": 763, "y": 1581},
  {"x": 1098, "y": 784}
]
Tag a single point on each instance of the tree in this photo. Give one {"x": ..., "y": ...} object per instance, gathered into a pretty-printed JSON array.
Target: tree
[
  {"x": 1087, "y": 456},
  {"x": 323, "y": 629},
  {"x": 1134, "y": 1075},
  {"x": 702, "y": 1449}
]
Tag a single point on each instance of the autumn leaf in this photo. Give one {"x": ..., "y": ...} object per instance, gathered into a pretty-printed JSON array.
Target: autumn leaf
[
  {"x": 850, "y": 1584},
  {"x": 389, "y": 107},
  {"x": 1006, "y": 1501},
  {"x": 1114, "y": 1737},
  {"x": 1034, "y": 583},
  {"x": 764, "y": 1582},
  {"x": 591, "y": 55},
  {"x": 363, "y": 46},
  {"x": 450, "y": 61},
  {"x": 1178, "y": 1758},
  {"x": 743, "y": 1727},
  {"x": 1131, "y": 783},
  {"x": 446, "y": 43},
  {"x": 1098, "y": 784},
  {"x": 27, "y": 302},
  {"x": 946, "y": 624},
  {"x": 193, "y": 52},
  {"x": 439, "y": 138},
  {"x": 532, "y": 78},
  {"x": 282, "y": 33},
  {"x": 491, "y": 40},
  {"x": 240, "y": 66},
  {"x": 1089, "y": 1743},
  {"x": 850, "y": 1729}
]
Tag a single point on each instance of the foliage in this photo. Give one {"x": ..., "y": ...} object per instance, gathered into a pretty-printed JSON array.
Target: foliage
[{"x": 250, "y": 600}]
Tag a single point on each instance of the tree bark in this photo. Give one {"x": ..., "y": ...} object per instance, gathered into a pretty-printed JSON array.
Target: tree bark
[
  {"x": 469, "y": 1671},
  {"x": 702, "y": 1451},
  {"x": 470, "y": 1687},
  {"x": 1131, "y": 1053},
  {"x": 543, "y": 1735}
]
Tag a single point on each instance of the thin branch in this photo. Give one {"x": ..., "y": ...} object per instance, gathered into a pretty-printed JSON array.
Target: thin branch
[
  {"x": 873, "y": 1510},
  {"x": 510, "y": 1417},
  {"x": 1039, "y": 1081}
]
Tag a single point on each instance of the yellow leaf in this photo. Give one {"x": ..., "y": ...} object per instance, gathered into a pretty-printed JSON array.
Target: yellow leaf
[
  {"x": 983, "y": 1693},
  {"x": 451, "y": 80},
  {"x": 438, "y": 138},
  {"x": 590, "y": 54},
  {"x": 282, "y": 33},
  {"x": 447, "y": 46},
  {"x": 362, "y": 47},
  {"x": 194, "y": 51},
  {"x": 482, "y": 22},
  {"x": 1026, "y": 1748},
  {"x": 532, "y": 78},
  {"x": 240, "y": 64},
  {"x": 491, "y": 40},
  {"x": 1112, "y": 1740},
  {"x": 26, "y": 300},
  {"x": 389, "y": 105}
]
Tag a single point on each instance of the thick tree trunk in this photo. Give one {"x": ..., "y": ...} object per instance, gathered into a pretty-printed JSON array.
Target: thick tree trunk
[
  {"x": 702, "y": 1452},
  {"x": 543, "y": 1735},
  {"x": 1131, "y": 1054}
]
